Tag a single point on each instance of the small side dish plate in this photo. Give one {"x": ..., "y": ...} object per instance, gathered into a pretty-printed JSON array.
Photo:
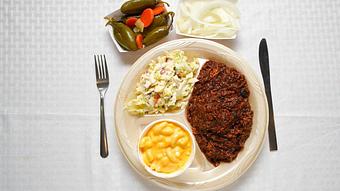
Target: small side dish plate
[
  {"x": 117, "y": 14},
  {"x": 201, "y": 175}
]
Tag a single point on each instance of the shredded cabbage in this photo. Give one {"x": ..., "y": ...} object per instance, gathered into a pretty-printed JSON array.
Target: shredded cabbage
[{"x": 165, "y": 86}]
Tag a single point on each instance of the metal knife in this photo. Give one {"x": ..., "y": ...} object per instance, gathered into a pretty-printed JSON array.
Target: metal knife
[{"x": 264, "y": 65}]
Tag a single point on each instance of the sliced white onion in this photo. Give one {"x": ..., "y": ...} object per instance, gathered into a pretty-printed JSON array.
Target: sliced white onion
[{"x": 218, "y": 18}]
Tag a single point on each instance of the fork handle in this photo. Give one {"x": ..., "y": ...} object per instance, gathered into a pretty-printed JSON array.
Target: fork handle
[{"x": 104, "y": 151}]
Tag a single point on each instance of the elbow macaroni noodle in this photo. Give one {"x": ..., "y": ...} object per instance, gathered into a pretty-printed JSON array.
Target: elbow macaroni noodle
[{"x": 166, "y": 147}]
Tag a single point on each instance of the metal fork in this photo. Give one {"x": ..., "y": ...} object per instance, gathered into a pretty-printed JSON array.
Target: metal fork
[{"x": 102, "y": 77}]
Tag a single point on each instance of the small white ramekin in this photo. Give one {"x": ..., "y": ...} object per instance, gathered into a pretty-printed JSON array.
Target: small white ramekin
[{"x": 187, "y": 164}]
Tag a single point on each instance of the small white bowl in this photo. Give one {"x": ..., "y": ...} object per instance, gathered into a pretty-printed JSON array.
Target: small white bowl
[
  {"x": 187, "y": 164},
  {"x": 118, "y": 14},
  {"x": 179, "y": 13}
]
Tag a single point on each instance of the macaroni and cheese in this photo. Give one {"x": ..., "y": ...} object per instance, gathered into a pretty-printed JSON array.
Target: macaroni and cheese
[{"x": 166, "y": 147}]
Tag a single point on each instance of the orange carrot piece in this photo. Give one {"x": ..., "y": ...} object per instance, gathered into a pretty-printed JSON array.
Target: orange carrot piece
[
  {"x": 158, "y": 10},
  {"x": 147, "y": 17},
  {"x": 139, "y": 41},
  {"x": 130, "y": 22}
]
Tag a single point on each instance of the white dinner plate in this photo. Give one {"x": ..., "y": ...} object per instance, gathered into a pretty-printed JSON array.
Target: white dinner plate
[{"x": 201, "y": 175}]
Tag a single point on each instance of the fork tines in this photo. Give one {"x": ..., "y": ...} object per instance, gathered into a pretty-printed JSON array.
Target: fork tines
[{"x": 101, "y": 68}]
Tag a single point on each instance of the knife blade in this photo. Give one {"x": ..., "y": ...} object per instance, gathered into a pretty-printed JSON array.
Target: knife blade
[{"x": 265, "y": 70}]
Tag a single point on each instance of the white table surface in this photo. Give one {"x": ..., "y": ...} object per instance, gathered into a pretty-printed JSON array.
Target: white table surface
[{"x": 49, "y": 103}]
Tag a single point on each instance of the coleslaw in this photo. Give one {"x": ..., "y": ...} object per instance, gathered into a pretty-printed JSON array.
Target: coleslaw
[{"x": 165, "y": 86}]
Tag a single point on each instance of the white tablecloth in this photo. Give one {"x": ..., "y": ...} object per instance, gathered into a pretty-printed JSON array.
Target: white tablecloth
[{"x": 49, "y": 103}]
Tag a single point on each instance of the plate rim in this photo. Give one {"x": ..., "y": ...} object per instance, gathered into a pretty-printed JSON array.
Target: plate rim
[{"x": 253, "y": 74}]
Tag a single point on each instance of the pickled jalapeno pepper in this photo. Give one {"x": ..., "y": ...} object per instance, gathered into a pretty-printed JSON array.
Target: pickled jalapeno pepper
[
  {"x": 123, "y": 34},
  {"x": 158, "y": 33},
  {"x": 159, "y": 20},
  {"x": 137, "y": 6}
]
